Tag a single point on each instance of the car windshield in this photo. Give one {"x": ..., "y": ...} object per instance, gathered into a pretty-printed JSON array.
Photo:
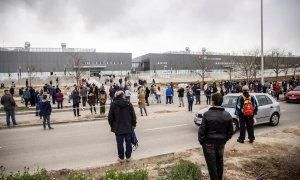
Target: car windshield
[
  {"x": 229, "y": 101},
  {"x": 296, "y": 88}
]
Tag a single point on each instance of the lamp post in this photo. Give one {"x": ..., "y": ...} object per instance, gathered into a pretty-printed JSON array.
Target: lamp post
[
  {"x": 20, "y": 73},
  {"x": 262, "y": 47}
]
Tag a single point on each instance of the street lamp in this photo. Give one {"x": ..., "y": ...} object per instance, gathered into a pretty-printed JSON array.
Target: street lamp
[
  {"x": 20, "y": 72},
  {"x": 262, "y": 47}
]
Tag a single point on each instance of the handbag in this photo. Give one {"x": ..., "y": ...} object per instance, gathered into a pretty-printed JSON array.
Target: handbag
[{"x": 134, "y": 141}]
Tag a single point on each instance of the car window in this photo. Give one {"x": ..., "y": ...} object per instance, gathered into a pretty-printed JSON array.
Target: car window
[
  {"x": 262, "y": 100},
  {"x": 269, "y": 100},
  {"x": 229, "y": 101}
]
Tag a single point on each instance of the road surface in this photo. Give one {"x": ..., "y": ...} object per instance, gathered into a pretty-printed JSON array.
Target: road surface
[{"x": 91, "y": 144}]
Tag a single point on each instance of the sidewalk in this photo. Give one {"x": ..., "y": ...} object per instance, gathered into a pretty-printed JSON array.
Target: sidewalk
[{"x": 28, "y": 118}]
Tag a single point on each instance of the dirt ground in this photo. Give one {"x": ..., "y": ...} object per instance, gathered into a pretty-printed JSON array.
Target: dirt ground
[{"x": 273, "y": 155}]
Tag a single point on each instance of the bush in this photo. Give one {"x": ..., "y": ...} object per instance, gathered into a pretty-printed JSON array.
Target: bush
[
  {"x": 39, "y": 175},
  {"x": 186, "y": 170},
  {"x": 77, "y": 176},
  {"x": 135, "y": 175}
]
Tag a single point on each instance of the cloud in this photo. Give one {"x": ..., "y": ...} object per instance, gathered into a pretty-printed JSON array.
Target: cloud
[{"x": 141, "y": 26}]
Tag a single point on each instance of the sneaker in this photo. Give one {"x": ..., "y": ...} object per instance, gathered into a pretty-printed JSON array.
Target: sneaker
[
  {"x": 15, "y": 124},
  {"x": 240, "y": 141},
  {"x": 121, "y": 160},
  {"x": 51, "y": 128},
  {"x": 251, "y": 141},
  {"x": 128, "y": 159}
]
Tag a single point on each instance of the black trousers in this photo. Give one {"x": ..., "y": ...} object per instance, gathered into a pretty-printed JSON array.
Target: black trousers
[
  {"x": 208, "y": 98},
  {"x": 59, "y": 104},
  {"x": 213, "y": 155},
  {"x": 53, "y": 99},
  {"x": 246, "y": 122},
  {"x": 76, "y": 109}
]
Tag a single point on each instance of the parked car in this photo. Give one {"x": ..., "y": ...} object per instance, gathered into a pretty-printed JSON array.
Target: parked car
[
  {"x": 293, "y": 95},
  {"x": 268, "y": 110}
]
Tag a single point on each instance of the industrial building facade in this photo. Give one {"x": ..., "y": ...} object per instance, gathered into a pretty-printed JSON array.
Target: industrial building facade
[
  {"x": 62, "y": 60},
  {"x": 188, "y": 61}
]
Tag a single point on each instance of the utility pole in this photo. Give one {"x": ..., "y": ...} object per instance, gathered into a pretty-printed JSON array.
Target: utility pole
[{"x": 262, "y": 47}]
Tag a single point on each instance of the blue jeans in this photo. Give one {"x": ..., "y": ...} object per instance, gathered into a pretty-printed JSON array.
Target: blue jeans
[
  {"x": 46, "y": 119},
  {"x": 190, "y": 108},
  {"x": 214, "y": 159},
  {"x": 11, "y": 114},
  {"x": 120, "y": 141}
]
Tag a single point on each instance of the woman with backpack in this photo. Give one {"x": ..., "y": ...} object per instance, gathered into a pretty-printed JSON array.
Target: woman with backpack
[{"x": 91, "y": 99}]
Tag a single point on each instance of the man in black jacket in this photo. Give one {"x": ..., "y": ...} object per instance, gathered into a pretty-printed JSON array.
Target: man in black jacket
[
  {"x": 122, "y": 120},
  {"x": 215, "y": 130}
]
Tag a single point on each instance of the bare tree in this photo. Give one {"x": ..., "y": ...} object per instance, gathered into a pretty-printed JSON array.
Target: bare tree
[
  {"x": 77, "y": 62},
  {"x": 203, "y": 65},
  {"x": 276, "y": 62},
  {"x": 31, "y": 72},
  {"x": 246, "y": 65}
]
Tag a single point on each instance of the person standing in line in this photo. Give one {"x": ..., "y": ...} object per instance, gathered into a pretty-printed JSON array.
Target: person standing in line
[
  {"x": 207, "y": 93},
  {"x": 215, "y": 130},
  {"x": 12, "y": 91},
  {"x": 39, "y": 98},
  {"x": 246, "y": 108},
  {"x": 169, "y": 94},
  {"x": 59, "y": 99},
  {"x": 53, "y": 94},
  {"x": 83, "y": 95},
  {"x": 32, "y": 96},
  {"x": 21, "y": 94},
  {"x": 127, "y": 93},
  {"x": 141, "y": 102},
  {"x": 91, "y": 100},
  {"x": 26, "y": 96},
  {"x": 102, "y": 100},
  {"x": 45, "y": 111},
  {"x": 76, "y": 101},
  {"x": 180, "y": 96},
  {"x": 190, "y": 98},
  {"x": 122, "y": 120},
  {"x": 197, "y": 92},
  {"x": 9, "y": 105},
  {"x": 147, "y": 94},
  {"x": 158, "y": 95}
]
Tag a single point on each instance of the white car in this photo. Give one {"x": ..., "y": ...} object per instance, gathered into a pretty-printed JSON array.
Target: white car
[{"x": 268, "y": 109}]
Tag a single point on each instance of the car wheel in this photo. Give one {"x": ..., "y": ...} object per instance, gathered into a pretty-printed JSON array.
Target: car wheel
[
  {"x": 235, "y": 126},
  {"x": 274, "y": 120}
]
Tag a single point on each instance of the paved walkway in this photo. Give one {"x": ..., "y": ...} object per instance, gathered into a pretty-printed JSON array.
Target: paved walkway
[{"x": 66, "y": 115}]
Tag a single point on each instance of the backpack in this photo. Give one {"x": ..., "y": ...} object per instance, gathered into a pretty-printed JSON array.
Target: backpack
[
  {"x": 248, "y": 108},
  {"x": 102, "y": 96}
]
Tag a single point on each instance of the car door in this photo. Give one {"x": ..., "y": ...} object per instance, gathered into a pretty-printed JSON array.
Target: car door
[{"x": 264, "y": 108}]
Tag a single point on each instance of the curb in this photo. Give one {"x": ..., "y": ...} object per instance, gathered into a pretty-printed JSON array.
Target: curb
[{"x": 63, "y": 122}]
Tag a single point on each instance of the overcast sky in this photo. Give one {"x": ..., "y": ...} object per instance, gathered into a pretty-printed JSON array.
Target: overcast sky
[{"x": 151, "y": 26}]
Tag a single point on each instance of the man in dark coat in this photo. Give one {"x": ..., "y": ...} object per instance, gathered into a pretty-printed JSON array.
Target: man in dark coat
[
  {"x": 45, "y": 111},
  {"x": 9, "y": 107},
  {"x": 122, "y": 120},
  {"x": 215, "y": 130}
]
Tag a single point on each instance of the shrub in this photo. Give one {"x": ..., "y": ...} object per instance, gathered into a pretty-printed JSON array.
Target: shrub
[
  {"x": 39, "y": 175},
  {"x": 186, "y": 170},
  {"x": 135, "y": 175},
  {"x": 77, "y": 176}
]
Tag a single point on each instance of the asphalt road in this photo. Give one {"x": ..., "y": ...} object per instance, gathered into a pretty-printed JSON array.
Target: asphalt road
[{"x": 91, "y": 144}]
